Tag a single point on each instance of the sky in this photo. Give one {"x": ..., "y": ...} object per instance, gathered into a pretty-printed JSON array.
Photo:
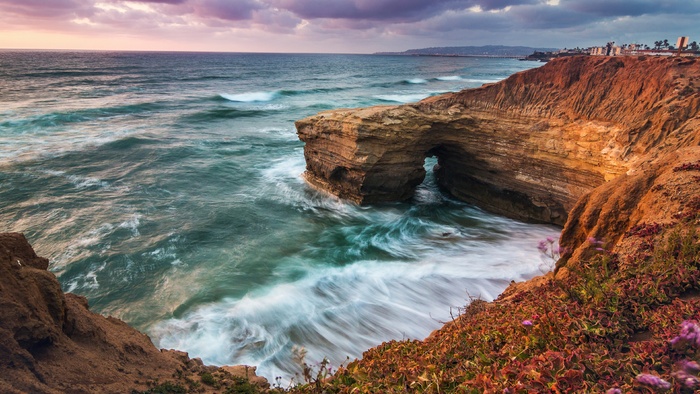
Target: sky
[{"x": 339, "y": 26}]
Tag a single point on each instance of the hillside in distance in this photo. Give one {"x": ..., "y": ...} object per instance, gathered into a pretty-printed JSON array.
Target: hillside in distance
[{"x": 486, "y": 50}]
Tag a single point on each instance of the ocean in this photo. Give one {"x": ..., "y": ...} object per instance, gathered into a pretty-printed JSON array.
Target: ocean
[{"x": 166, "y": 188}]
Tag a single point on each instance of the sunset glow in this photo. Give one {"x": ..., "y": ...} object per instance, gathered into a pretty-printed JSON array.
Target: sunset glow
[{"x": 352, "y": 26}]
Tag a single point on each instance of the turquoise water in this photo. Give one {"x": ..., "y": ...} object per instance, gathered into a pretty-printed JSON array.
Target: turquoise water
[{"x": 166, "y": 188}]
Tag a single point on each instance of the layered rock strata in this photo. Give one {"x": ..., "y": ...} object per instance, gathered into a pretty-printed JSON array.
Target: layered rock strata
[{"x": 527, "y": 147}]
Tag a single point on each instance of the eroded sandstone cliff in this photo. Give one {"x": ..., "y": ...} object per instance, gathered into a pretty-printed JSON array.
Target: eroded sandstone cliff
[{"x": 527, "y": 147}]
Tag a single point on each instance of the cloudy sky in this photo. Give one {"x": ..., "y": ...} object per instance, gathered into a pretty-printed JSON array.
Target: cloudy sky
[{"x": 338, "y": 26}]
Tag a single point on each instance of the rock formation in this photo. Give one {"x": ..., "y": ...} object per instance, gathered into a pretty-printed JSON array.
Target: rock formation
[
  {"x": 51, "y": 343},
  {"x": 611, "y": 147},
  {"x": 527, "y": 147}
]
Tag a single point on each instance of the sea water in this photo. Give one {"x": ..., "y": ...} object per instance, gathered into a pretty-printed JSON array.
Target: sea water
[{"x": 166, "y": 188}]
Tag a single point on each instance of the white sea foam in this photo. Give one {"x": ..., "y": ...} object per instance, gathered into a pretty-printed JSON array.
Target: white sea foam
[
  {"x": 403, "y": 98},
  {"x": 250, "y": 97},
  {"x": 132, "y": 224},
  {"x": 483, "y": 80},
  {"x": 17, "y": 149},
  {"x": 80, "y": 182},
  {"x": 417, "y": 80},
  {"x": 79, "y": 247},
  {"x": 449, "y": 78},
  {"x": 285, "y": 169},
  {"x": 87, "y": 281},
  {"x": 338, "y": 312}
]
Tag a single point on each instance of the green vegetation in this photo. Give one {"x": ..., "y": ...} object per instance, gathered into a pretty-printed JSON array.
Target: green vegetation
[
  {"x": 166, "y": 388},
  {"x": 209, "y": 380},
  {"x": 242, "y": 386},
  {"x": 605, "y": 326}
]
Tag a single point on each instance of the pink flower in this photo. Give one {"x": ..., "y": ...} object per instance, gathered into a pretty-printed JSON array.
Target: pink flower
[
  {"x": 690, "y": 366},
  {"x": 653, "y": 381},
  {"x": 690, "y": 334},
  {"x": 527, "y": 323},
  {"x": 594, "y": 241}
]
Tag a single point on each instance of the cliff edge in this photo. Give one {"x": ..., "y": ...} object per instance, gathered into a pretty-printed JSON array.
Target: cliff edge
[{"x": 527, "y": 147}]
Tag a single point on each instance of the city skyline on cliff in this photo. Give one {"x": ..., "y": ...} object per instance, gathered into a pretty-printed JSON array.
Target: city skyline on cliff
[{"x": 338, "y": 26}]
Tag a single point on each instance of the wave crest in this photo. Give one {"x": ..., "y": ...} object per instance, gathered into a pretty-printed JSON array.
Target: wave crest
[
  {"x": 449, "y": 78},
  {"x": 250, "y": 97},
  {"x": 403, "y": 98}
]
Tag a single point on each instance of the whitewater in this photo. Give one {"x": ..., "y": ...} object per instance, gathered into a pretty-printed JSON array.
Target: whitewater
[{"x": 167, "y": 189}]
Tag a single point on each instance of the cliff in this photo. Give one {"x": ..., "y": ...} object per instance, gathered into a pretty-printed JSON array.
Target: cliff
[
  {"x": 607, "y": 146},
  {"x": 51, "y": 343},
  {"x": 527, "y": 147}
]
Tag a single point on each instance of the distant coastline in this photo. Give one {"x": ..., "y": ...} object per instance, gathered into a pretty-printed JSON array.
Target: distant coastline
[{"x": 486, "y": 51}]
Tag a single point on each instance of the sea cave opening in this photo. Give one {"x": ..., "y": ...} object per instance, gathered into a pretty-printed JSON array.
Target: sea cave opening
[{"x": 428, "y": 190}]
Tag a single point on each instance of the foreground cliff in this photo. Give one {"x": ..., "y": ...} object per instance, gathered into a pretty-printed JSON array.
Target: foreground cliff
[
  {"x": 51, "y": 343},
  {"x": 528, "y": 147},
  {"x": 607, "y": 146}
]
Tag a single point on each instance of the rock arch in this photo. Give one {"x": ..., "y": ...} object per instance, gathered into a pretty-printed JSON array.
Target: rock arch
[
  {"x": 527, "y": 147},
  {"x": 377, "y": 155}
]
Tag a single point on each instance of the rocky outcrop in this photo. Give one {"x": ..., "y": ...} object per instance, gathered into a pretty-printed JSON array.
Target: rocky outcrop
[
  {"x": 634, "y": 207},
  {"x": 51, "y": 343},
  {"x": 527, "y": 147}
]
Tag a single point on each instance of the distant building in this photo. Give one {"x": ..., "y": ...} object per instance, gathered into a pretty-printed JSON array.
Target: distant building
[
  {"x": 638, "y": 50},
  {"x": 597, "y": 51},
  {"x": 608, "y": 50}
]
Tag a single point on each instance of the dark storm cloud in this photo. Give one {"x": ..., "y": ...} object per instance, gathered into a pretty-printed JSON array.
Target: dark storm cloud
[
  {"x": 390, "y": 10},
  {"x": 368, "y": 9},
  {"x": 488, "y": 5},
  {"x": 549, "y": 17},
  {"x": 226, "y": 9}
]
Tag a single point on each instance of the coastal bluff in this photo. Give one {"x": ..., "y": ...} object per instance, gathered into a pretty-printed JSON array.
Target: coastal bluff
[{"x": 528, "y": 147}]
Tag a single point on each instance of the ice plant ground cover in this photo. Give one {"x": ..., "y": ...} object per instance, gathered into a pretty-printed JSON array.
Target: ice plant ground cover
[{"x": 610, "y": 325}]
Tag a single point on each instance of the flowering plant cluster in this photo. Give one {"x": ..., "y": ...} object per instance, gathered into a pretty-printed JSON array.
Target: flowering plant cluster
[
  {"x": 687, "y": 375},
  {"x": 689, "y": 335},
  {"x": 688, "y": 167},
  {"x": 550, "y": 251},
  {"x": 653, "y": 381}
]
